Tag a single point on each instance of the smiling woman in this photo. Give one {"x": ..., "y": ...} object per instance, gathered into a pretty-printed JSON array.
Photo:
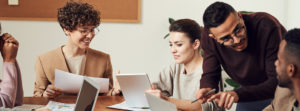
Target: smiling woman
[{"x": 79, "y": 22}]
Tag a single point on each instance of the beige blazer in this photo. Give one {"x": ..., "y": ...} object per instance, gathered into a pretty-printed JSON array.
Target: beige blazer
[
  {"x": 97, "y": 64},
  {"x": 283, "y": 100}
]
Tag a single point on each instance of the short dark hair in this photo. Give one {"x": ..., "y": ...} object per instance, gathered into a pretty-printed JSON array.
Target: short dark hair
[
  {"x": 190, "y": 27},
  {"x": 292, "y": 38},
  {"x": 216, "y": 13},
  {"x": 75, "y": 14}
]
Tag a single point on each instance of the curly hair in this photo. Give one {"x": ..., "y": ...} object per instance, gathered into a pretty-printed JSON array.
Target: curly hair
[
  {"x": 75, "y": 14},
  {"x": 190, "y": 27}
]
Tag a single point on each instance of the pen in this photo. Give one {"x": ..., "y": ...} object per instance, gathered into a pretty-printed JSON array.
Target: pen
[{"x": 206, "y": 94}]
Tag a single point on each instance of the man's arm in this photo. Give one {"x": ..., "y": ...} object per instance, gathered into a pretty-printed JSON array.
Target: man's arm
[
  {"x": 11, "y": 90},
  {"x": 211, "y": 66},
  {"x": 211, "y": 71}
]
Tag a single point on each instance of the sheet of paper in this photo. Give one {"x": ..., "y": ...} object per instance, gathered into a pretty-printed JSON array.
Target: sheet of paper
[
  {"x": 24, "y": 107},
  {"x": 71, "y": 83},
  {"x": 123, "y": 106},
  {"x": 58, "y": 106}
]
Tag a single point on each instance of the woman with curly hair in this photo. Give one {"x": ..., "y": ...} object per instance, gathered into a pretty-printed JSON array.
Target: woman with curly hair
[{"x": 79, "y": 21}]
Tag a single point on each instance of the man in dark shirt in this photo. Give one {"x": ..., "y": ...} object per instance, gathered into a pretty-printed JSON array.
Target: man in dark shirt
[{"x": 245, "y": 45}]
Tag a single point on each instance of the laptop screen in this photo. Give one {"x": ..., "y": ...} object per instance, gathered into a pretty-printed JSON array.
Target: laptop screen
[{"x": 87, "y": 96}]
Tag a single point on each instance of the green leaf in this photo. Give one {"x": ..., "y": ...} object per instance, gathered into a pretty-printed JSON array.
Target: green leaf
[
  {"x": 171, "y": 20},
  {"x": 166, "y": 36},
  {"x": 201, "y": 53},
  {"x": 232, "y": 83},
  {"x": 246, "y": 11}
]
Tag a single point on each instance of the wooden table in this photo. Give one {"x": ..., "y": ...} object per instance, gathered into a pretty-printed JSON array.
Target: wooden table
[{"x": 101, "y": 103}]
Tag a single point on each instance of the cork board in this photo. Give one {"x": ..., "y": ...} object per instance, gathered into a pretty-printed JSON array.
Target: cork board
[{"x": 111, "y": 10}]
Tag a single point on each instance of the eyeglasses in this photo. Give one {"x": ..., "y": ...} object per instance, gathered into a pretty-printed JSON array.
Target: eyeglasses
[
  {"x": 86, "y": 32},
  {"x": 238, "y": 32}
]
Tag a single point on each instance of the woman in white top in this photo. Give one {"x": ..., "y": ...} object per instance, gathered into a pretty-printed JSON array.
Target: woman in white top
[{"x": 179, "y": 82}]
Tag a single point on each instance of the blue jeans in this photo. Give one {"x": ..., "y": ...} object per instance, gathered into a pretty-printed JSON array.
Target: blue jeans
[{"x": 253, "y": 106}]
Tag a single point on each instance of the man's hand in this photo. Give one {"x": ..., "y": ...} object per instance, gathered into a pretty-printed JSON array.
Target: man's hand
[
  {"x": 225, "y": 99},
  {"x": 52, "y": 92},
  {"x": 10, "y": 48},
  {"x": 200, "y": 94}
]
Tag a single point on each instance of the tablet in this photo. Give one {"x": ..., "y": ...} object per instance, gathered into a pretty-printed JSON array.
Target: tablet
[
  {"x": 87, "y": 96},
  {"x": 157, "y": 104},
  {"x": 133, "y": 87}
]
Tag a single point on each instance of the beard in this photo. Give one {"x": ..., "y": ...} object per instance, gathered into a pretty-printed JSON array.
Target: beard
[{"x": 285, "y": 84}]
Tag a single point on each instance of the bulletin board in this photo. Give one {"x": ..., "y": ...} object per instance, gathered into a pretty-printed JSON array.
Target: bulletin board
[{"x": 110, "y": 10}]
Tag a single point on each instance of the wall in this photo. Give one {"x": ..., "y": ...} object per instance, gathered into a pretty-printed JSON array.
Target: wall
[
  {"x": 134, "y": 47},
  {"x": 293, "y": 18}
]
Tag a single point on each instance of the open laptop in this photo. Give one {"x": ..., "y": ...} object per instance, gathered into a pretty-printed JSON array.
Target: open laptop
[
  {"x": 157, "y": 104},
  {"x": 133, "y": 88},
  {"x": 87, "y": 96}
]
